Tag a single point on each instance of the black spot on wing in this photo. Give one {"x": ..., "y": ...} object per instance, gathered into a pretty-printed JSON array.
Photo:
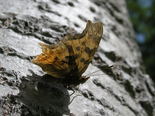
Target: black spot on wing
[
  {"x": 78, "y": 48},
  {"x": 88, "y": 50},
  {"x": 83, "y": 43},
  {"x": 87, "y": 62},
  {"x": 84, "y": 61},
  {"x": 69, "y": 47},
  {"x": 55, "y": 59}
]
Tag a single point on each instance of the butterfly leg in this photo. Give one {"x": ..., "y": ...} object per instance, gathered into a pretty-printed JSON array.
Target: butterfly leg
[{"x": 73, "y": 91}]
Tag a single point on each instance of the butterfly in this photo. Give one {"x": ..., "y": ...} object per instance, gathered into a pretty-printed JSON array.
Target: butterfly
[{"x": 70, "y": 57}]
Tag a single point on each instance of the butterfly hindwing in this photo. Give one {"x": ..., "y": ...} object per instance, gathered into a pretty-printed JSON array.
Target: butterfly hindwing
[{"x": 53, "y": 60}]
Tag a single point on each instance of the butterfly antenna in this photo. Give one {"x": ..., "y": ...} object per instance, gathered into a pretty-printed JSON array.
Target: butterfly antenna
[
  {"x": 72, "y": 91},
  {"x": 98, "y": 75},
  {"x": 92, "y": 73},
  {"x": 74, "y": 98}
]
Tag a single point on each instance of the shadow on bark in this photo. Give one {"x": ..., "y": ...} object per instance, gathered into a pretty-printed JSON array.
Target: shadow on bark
[{"x": 43, "y": 96}]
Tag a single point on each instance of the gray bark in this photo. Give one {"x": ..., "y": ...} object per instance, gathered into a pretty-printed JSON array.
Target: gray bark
[{"x": 121, "y": 90}]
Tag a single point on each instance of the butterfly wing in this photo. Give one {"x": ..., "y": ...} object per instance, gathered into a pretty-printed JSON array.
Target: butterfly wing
[
  {"x": 90, "y": 41},
  {"x": 84, "y": 46},
  {"x": 53, "y": 59}
]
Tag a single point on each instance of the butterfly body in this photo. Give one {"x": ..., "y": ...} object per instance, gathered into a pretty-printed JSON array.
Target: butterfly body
[{"x": 69, "y": 58}]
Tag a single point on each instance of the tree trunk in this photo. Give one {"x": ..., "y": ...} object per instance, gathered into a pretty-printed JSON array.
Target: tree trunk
[{"x": 120, "y": 87}]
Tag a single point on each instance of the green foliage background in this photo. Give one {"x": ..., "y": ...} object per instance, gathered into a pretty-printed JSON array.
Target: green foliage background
[{"x": 142, "y": 14}]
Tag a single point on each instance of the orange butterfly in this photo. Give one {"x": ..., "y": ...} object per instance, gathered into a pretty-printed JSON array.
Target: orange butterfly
[{"x": 69, "y": 58}]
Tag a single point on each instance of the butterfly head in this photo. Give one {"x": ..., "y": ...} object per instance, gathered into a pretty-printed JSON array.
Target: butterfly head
[{"x": 74, "y": 81}]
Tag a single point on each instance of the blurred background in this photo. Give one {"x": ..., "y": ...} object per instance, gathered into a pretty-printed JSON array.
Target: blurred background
[{"x": 142, "y": 15}]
